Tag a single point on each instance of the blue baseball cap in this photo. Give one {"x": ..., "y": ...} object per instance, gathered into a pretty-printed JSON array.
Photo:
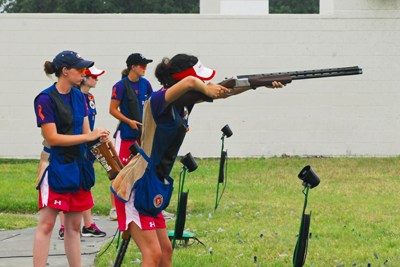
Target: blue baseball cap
[{"x": 71, "y": 59}]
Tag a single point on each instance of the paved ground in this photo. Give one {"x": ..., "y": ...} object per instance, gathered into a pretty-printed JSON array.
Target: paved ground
[{"x": 19, "y": 243}]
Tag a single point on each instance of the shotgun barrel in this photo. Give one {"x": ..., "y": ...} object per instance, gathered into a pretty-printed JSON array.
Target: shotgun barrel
[
  {"x": 311, "y": 74},
  {"x": 266, "y": 79}
]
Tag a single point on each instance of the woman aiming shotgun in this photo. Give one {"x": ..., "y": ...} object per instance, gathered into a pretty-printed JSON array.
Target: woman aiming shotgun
[{"x": 165, "y": 117}]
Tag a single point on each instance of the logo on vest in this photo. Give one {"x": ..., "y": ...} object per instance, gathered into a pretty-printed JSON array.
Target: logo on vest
[
  {"x": 92, "y": 105},
  {"x": 59, "y": 202},
  {"x": 158, "y": 200}
]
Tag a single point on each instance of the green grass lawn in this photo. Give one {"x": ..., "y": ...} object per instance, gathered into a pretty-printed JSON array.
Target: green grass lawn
[
  {"x": 15, "y": 222},
  {"x": 354, "y": 210}
]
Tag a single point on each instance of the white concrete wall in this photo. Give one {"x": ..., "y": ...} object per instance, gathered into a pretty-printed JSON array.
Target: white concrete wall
[
  {"x": 244, "y": 7},
  {"x": 357, "y": 115}
]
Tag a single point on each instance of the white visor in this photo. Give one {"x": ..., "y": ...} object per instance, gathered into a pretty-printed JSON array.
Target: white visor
[
  {"x": 203, "y": 72},
  {"x": 93, "y": 71}
]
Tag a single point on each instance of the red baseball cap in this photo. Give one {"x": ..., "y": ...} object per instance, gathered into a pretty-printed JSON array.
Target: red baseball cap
[{"x": 93, "y": 71}]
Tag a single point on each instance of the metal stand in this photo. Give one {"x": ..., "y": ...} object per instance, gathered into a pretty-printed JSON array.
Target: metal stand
[
  {"x": 126, "y": 238},
  {"x": 179, "y": 206},
  {"x": 306, "y": 187},
  {"x": 221, "y": 169}
]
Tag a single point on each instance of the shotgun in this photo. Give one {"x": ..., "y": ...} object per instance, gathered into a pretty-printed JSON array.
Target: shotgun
[{"x": 257, "y": 80}]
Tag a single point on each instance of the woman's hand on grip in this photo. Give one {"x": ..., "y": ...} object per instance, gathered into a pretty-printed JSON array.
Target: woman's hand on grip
[
  {"x": 99, "y": 133},
  {"x": 216, "y": 90}
]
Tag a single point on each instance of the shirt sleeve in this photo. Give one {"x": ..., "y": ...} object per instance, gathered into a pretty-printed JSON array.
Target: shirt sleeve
[
  {"x": 118, "y": 91},
  {"x": 44, "y": 109},
  {"x": 157, "y": 102}
]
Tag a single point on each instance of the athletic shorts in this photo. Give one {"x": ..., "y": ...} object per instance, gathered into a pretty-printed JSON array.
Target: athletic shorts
[
  {"x": 122, "y": 147},
  {"x": 127, "y": 213},
  {"x": 79, "y": 201}
]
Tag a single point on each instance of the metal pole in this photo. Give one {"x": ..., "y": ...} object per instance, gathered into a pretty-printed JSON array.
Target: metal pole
[
  {"x": 301, "y": 225},
  {"x": 179, "y": 206},
  {"x": 222, "y": 150}
]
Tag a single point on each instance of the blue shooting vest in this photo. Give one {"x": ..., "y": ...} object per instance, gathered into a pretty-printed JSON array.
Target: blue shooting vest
[
  {"x": 152, "y": 194},
  {"x": 88, "y": 170},
  {"x": 131, "y": 106},
  {"x": 92, "y": 109},
  {"x": 92, "y": 118},
  {"x": 68, "y": 168}
]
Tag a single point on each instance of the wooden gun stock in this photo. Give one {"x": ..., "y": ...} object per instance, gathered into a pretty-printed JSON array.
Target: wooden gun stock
[
  {"x": 267, "y": 81},
  {"x": 228, "y": 83}
]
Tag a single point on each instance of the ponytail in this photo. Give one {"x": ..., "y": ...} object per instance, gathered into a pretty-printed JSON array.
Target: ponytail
[
  {"x": 50, "y": 69},
  {"x": 124, "y": 73},
  {"x": 167, "y": 67},
  {"x": 163, "y": 73}
]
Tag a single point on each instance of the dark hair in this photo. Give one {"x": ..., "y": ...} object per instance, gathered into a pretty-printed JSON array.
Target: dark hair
[
  {"x": 167, "y": 67},
  {"x": 49, "y": 69}
]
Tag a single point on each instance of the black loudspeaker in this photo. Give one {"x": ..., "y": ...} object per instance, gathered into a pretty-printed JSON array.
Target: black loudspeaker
[
  {"x": 189, "y": 162},
  {"x": 309, "y": 177},
  {"x": 227, "y": 131},
  {"x": 224, "y": 154},
  {"x": 134, "y": 148},
  {"x": 182, "y": 215},
  {"x": 302, "y": 243}
]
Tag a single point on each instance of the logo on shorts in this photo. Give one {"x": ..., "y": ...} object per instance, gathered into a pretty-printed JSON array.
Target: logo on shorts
[
  {"x": 59, "y": 202},
  {"x": 158, "y": 200},
  {"x": 152, "y": 225}
]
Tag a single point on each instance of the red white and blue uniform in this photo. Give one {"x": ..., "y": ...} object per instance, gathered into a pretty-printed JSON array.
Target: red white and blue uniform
[
  {"x": 64, "y": 177},
  {"x": 164, "y": 132},
  {"x": 132, "y": 95}
]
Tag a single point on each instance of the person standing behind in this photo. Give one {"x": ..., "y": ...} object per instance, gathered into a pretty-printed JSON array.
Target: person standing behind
[
  {"x": 89, "y": 81},
  {"x": 61, "y": 113},
  {"x": 127, "y": 100}
]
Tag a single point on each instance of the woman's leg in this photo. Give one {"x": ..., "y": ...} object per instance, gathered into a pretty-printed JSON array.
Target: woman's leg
[
  {"x": 61, "y": 217},
  {"x": 72, "y": 242},
  {"x": 41, "y": 243},
  {"x": 148, "y": 244},
  {"x": 87, "y": 218},
  {"x": 112, "y": 200},
  {"x": 166, "y": 247}
]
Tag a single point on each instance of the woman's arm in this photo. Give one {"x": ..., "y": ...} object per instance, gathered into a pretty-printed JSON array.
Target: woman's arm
[
  {"x": 56, "y": 139},
  {"x": 240, "y": 90},
  {"x": 192, "y": 83},
  {"x": 114, "y": 111}
]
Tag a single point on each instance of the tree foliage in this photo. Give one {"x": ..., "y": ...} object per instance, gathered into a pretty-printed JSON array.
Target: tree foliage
[
  {"x": 141, "y": 6},
  {"x": 100, "y": 6},
  {"x": 294, "y": 6}
]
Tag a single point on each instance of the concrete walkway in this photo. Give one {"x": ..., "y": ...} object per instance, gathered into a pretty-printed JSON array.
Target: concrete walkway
[{"x": 19, "y": 243}]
